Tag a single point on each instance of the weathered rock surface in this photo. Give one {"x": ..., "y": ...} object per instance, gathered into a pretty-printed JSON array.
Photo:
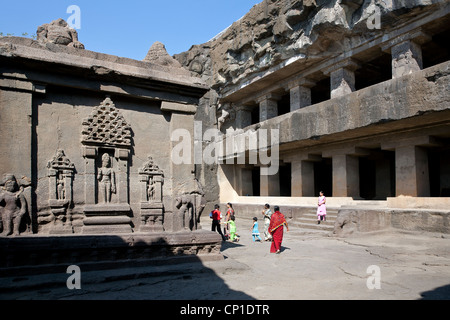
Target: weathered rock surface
[
  {"x": 277, "y": 31},
  {"x": 158, "y": 55},
  {"x": 59, "y": 32}
]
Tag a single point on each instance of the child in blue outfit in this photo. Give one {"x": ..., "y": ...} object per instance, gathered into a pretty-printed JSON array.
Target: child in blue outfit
[{"x": 255, "y": 230}]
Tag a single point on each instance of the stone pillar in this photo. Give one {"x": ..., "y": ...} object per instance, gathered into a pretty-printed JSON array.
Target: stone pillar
[
  {"x": 406, "y": 58},
  {"x": 300, "y": 92},
  {"x": 122, "y": 175},
  {"x": 158, "y": 181},
  {"x": 411, "y": 171},
  {"x": 244, "y": 185},
  {"x": 406, "y": 53},
  {"x": 270, "y": 185},
  {"x": 302, "y": 178},
  {"x": 268, "y": 107},
  {"x": 52, "y": 175},
  {"x": 243, "y": 117},
  {"x": 345, "y": 176},
  {"x": 68, "y": 178},
  {"x": 90, "y": 192},
  {"x": 342, "y": 77}
]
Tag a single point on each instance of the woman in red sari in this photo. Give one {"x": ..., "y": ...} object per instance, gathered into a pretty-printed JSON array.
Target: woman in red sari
[{"x": 276, "y": 229}]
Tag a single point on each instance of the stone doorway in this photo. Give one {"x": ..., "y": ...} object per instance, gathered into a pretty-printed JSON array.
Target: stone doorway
[
  {"x": 377, "y": 175},
  {"x": 323, "y": 177}
]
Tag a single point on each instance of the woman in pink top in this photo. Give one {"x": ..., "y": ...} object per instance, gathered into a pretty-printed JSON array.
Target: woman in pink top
[{"x": 322, "y": 209}]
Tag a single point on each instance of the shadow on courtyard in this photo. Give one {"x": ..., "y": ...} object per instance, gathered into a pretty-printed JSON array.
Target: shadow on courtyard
[
  {"x": 440, "y": 293},
  {"x": 111, "y": 268}
]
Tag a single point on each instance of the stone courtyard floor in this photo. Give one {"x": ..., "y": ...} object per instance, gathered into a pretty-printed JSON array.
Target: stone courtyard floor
[{"x": 406, "y": 265}]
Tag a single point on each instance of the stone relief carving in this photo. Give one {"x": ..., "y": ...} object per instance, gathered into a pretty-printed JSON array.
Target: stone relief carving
[
  {"x": 190, "y": 206},
  {"x": 227, "y": 114},
  {"x": 152, "y": 208},
  {"x": 60, "y": 172},
  {"x": 106, "y": 126},
  {"x": 107, "y": 179},
  {"x": 200, "y": 201},
  {"x": 404, "y": 64},
  {"x": 153, "y": 179},
  {"x": 13, "y": 204},
  {"x": 185, "y": 208},
  {"x": 107, "y": 141}
]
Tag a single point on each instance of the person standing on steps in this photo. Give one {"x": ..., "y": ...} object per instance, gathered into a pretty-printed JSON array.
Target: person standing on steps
[{"x": 322, "y": 208}]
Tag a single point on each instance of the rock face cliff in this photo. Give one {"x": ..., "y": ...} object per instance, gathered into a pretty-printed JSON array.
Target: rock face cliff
[{"x": 276, "y": 31}]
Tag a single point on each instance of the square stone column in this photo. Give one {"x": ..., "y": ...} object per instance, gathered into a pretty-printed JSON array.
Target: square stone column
[
  {"x": 244, "y": 183},
  {"x": 302, "y": 178},
  {"x": 268, "y": 106},
  {"x": 122, "y": 174},
  {"x": 270, "y": 185},
  {"x": 406, "y": 52},
  {"x": 406, "y": 58},
  {"x": 342, "y": 76},
  {"x": 300, "y": 93},
  {"x": 345, "y": 176},
  {"x": 243, "y": 117},
  {"x": 90, "y": 192},
  {"x": 411, "y": 171}
]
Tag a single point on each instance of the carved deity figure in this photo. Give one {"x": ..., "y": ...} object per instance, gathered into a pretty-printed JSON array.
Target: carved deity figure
[
  {"x": 185, "y": 210},
  {"x": 151, "y": 190},
  {"x": 13, "y": 205},
  {"x": 106, "y": 177},
  {"x": 61, "y": 188}
]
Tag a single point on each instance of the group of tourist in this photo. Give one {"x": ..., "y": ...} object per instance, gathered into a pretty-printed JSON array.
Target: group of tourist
[{"x": 274, "y": 223}]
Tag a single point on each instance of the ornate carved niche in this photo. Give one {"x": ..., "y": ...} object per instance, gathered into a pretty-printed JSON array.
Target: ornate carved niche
[
  {"x": 106, "y": 141},
  {"x": 152, "y": 208},
  {"x": 60, "y": 173}
]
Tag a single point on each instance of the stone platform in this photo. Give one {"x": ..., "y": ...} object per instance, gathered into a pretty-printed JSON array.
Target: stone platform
[{"x": 30, "y": 255}]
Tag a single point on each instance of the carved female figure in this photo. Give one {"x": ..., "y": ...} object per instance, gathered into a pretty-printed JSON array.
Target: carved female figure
[
  {"x": 151, "y": 190},
  {"x": 184, "y": 206},
  {"x": 60, "y": 187},
  {"x": 13, "y": 205},
  {"x": 106, "y": 177}
]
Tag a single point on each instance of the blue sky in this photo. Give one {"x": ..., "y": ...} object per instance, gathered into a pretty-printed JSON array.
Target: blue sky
[{"x": 129, "y": 28}]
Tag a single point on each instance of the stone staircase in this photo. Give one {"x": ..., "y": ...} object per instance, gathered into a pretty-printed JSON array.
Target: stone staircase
[{"x": 307, "y": 223}]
